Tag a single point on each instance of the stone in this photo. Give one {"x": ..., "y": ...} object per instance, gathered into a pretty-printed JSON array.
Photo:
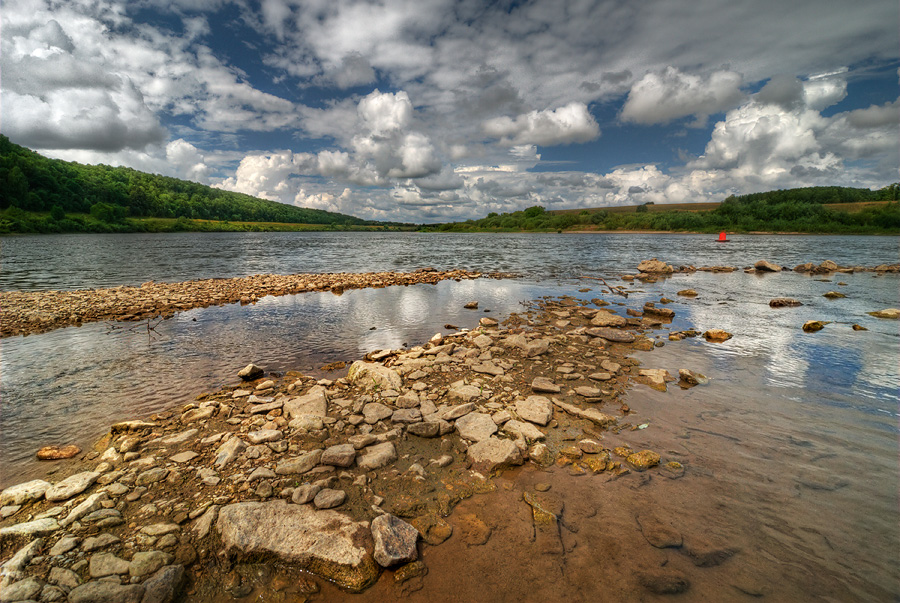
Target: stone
[
  {"x": 543, "y": 385},
  {"x": 89, "y": 505},
  {"x": 184, "y": 457},
  {"x": 229, "y": 451},
  {"x": 341, "y": 455},
  {"x": 463, "y": 393},
  {"x": 536, "y": 347},
  {"x": 588, "y": 392},
  {"x": 395, "y": 540},
  {"x": 889, "y": 313},
  {"x": 256, "y": 409},
  {"x": 375, "y": 411},
  {"x": 71, "y": 486},
  {"x": 24, "y": 492},
  {"x": 650, "y": 309},
  {"x": 654, "y": 266},
  {"x": 488, "y": 368},
  {"x": 107, "y": 564},
  {"x": 151, "y": 476},
  {"x": 311, "y": 404},
  {"x": 658, "y": 533},
  {"x": 250, "y": 372},
  {"x": 305, "y": 493},
  {"x": 608, "y": 319},
  {"x": 145, "y": 563},
  {"x": 63, "y": 577},
  {"x": 687, "y": 293},
  {"x": 483, "y": 341},
  {"x": 328, "y": 498},
  {"x": 717, "y": 335},
  {"x": 833, "y": 295},
  {"x": 198, "y": 414},
  {"x": 589, "y": 446},
  {"x": 95, "y": 543},
  {"x": 613, "y": 335},
  {"x": 476, "y": 426},
  {"x": 472, "y": 305},
  {"x": 22, "y": 590},
  {"x": 165, "y": 585},
  {"x": 643, "y": 460},
  {"x": 455, "y": 412},
  {"x": 12, "y": 569},
  {"x": 204, "y": 523},
  {"x": 159, "y": 529},
  {"x": 599, "y": 376},
  {"x": 64, "y": 545},
  {"x": 299, "y": 464},
  {"x": 129, "y": 426},
  {"x": 705, "y": 553},
  {"x": 764, "y": 266},
  {"x": 540, "y": 454},
  {"x": 377, "y": 456},
  {"x": 591, "y": 414},
  {"x": 488, "y": 322},
  {"x": 408, "y": 400},
  {"x": 373, "y": 375},
  {"x": 657, "y": 377},
  {"x": 324, "y": 542},
  {"x": 406, "y": 415},
  {"x": 494, "y": 453},
  {"x": 105, "y": 591},
  {"x": 264, "y": 435},
  {"x": 690, "y": 378},
  {"x": 208, "y": 476},
  {"x": 520, "y": 429},
  {"x": 473, "y": 530},
  {"x": 664, "y": 582},
  {"x": 426, "y": 429},
  {"x": 811, "y": 326},
  {"x": 55, "y": 453},
  {"x": 27, "y": 530}
]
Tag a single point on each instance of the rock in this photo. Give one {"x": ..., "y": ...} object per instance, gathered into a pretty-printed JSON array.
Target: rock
[
  {"x": 312, "y": 404},
  {"x": 183, "y": 457},
  {"x": 329, "y": 499},
  {"x": 89, "y": 505},
  {"x": 406, "y": 415},
  {"x": 64, "y": 577},
  {"x": 535, "y": 347},
  {"x": 613, "y": 335},
  {"x": 198, "y": 414},
  {"x": 104, "y": 591},
  {"x": 488, "y": 322},
  {"x": 472, "y": 305},
  {"x": 483, "y": 341},
  {"x": 64, "y": 545},
  {"x": 229, "y": 451},
  {"x": 370, "y": 374},
  {"x": 208, "y": 476},
  {"x": 377, "y": 456},
  {"x": 55, "y": 453},
  {"x": 520, "y": 429},
  {"x": 599, "y": 376},
  {"x": 764, "y": 266},
  {"x": 833, "y": 295},
  {"x": 828, "y": 266},
  {"x": 588, "y": 392},
  {"x": 165, "y": 585},
  {"x": 543, "y": 385},
  {"x": 375, "y": 411},
  {"x": 408, "y": 400},
  {"x": 178, "y": 438},
  {"x": 704, "y": 553},
  {"x": 654, "y": 266},
  {"x": 643, "y": 460},
  {"x": 12, "y": 569},
  {"x": 690, "y": 378},
  {"x": 717, "y": 335},
  {"x": 305, "y": 493},
  {"x": 811, "y": 326},
  {"x": 476, "y": 426},
  {"x": 107, "y": 564},
  {"x": 657, "y": 377},
  {"x": 857, "y": 327},
  {"x": 24, "y": 493},
  {"x": 264, "y": 435},
  {"x": 463, "y": 393},
  {"x": 541, "y": 455},
  {"x": 145, "y": 563},
  {"x": 22, "y": 590},
  {"x": 257, "y": 409},
  {"x": 650, "y": 309},
  {"x": 130, "y": 426},
  {"x": 474, "y": 531},
  {"x": 494, "y": 453},
  {"x": 433, "y": 528},
  {"x": 28, "y": 530},
  {"x": 341, "y": 455},
  {"x": 151, "y": 476},
  {"x": 891, "y": 313},
  {"x": 608, "y": 319},
  {"x": 426, "y": 429},
  {"x": 203, "y": 524},
  {"x": 95, "y": 543},
  {"x": 250, "y": 372},
  {"x": 455, "y": 412},
  {"x": 299, "y": 464},
  {"x": 687, "y": 293},
  {"x": 325, "y": 543},
  {"x": 591, "y": 414},
  {"x": 784, "y": 302},
  {"x": 71, "y": 486},
  {"x": 658, "y": 533},
  {"x": 664, "y": 582},
  {"x": 488, "y": 368},
  {"x": 395, "y": 540}
]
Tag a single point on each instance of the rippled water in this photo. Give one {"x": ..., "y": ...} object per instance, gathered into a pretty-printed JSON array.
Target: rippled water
[{"x": 783, "y": 405}]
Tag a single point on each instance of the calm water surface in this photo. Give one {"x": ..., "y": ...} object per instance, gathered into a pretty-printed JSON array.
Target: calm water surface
[{"x": 791, "y": 450}]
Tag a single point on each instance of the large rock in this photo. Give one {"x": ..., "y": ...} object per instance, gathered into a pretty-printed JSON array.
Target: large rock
[
  {"x": 28, "y": 530},
  {"x": 654, "y": 266},
  {"x": 520, "y": 429},
  {"x": 325, "y": 543},
  {"x": 229, "y": 451},
  {"x": 476, "y": 426},
  {"x": 250, "y": 372},
  {"x": 164, "y": 585},
  {"x": 492, "y": 453},
  {"x": 536, "y": 409},
  {"x": 377, "y": 456},
  {"x": 395, "y": 540},
  {"x": 300, "y": 464},
  {"x": 609, "y": 334},
  {"x": 341, "y": 455},
  {"x": 374, "y": 375},
  {"x": 891, "y": 313},
  {"x": 312, "y": 403},
  {"x": 764, "y": 266},
  {"x": 23, "y": 493},
  {"x": 103, "y": 591},
  {"x": 608, "y": 319},
  {"x": 71, "y": 486}
]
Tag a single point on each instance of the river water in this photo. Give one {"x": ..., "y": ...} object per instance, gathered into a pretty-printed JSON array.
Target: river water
[{"x": 791, "y": 450}]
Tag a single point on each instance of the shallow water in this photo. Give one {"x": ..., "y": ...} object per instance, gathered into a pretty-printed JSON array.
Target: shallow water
[{"x": 791, "y": 450}]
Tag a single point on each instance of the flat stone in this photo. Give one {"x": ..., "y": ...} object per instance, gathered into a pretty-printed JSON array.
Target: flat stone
[
  {"x": 95, "y": 543},
  {"x": 63, "y": 577},
  {"x": 179, "y": 438},
  {"x": 105, "y": 591},
  {"x": 151, "y": 476},
  {"x": 588, "y": 392},
  {"x": 71, "y": 486},
  {"x": 312, "y": 403},
  {"x": 299, "y": 464},
  {"x": 664, "y": 582},
  {"x": 455, "y": 412},
  {"x": 536, "y": 347},
  {"x": 608, "y": 319},
  {"x": 264, "y": 435},
  {"x": 341, "y": 455},
  {"x": 64, "y": 545},
  {"x": 198, "y": 414},
  {"x": 520, "y": 429},
  {"x": 406, "y": 415},
  {"x": 56, "y": 453},
  {"x": 107, "y": 564},
  {"x": 148, "y": 562},
  {"x": 184, "y": 457},
  {"x": 305, "y": 493},
  {"x": 130, "y": 426},
  {"x": 328, "y": 498},
  {"x": 165, "y": 585},
  {"x": 377, "y": 456},
  {"x": 476, "y": 426},
  {"x": 536, "y": 409},
  {"x": 599, "y": 376},
  {"x": 261, "y": 473},
  {"x": 591, "y": 414},
  {"x": 229, "y": 451},
  {"x": 89, "y": 505},
  {"x": 463, "y": 393},
  {"x": 889, "y": 313},
  {"x": 643, "y": 460},
  {"x": 208, "y": 476},
  {"x": 256, "y": 409},
  {"x": 488, "y": 368},
  {"x": 324, "y": 542},
  {"x": 28, "y": 530},
  {"x": 13, "y": 568},
  {"x": 425, "y": 429},
  {"x": 375, "y": 411},
  {"x": 690, "y": 378},
  {"x": 395, "y": 540},
  {"x": 159, "y": 529},
  {"x": 613, "y": 335},
  {"x": 374, "y": 375},
  {"x": 655, "y": 266},
  {"x": 24, "y": 492},
  {"x": 408, "y": 400},
  {"x": 492, "y": 453},
  {"x": 22, "y": 590},
  {"x": 204, "y": 523},
  {"x": 542, "y": 385},
  {"x": 483, "y": 341}
]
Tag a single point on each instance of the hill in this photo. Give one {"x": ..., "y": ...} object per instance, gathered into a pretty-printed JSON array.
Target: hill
[
  {"x": 829, "y": 209},
  {"x": 39, "y": 194}
]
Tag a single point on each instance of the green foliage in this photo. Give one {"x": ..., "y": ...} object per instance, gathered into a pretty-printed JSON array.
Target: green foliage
[
  {"x": 111, "y": 195},
  {"x": 641, "y": 209}
]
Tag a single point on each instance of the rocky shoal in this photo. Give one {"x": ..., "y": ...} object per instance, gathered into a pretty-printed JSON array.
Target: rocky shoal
[
  {"x": 40, "y": 311},
  {"x": 336, "y": 479}
]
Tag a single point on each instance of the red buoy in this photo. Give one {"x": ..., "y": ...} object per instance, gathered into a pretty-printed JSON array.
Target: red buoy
[{"x": 722, "y": 238}]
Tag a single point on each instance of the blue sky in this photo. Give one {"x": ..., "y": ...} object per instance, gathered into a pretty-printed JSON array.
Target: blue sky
[{"x": 434, "y": 110}]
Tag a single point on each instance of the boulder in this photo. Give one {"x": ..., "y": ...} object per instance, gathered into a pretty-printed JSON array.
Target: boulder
[
  {"x": 654, "y": 266},
  {"x": 371, "y": 374},
  {"x": 764, "y": 266},
  {"x": 250, "y": 372},
  {"x": 323, "y": 542},
  {"x": 24, "y": 492},
  {"x": 395, "y": 540},
  {"x": 312, "y": 403}
]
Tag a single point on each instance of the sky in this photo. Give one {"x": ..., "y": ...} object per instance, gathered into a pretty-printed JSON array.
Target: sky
[{"x": 437, "y": 110}]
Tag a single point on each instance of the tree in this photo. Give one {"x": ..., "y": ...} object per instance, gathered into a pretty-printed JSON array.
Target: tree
[{"x": 57, "y": 213}]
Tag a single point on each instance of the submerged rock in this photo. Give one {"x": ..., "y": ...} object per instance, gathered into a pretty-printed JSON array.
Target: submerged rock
[
  {"x": 891, "y": 313},
  {"x": 784, "y": 302},
  {"x": 325, "y": 543},
  {"x": 717, "y": 335},
  {"x": 55, "y": 453},
  {"x": 811, "y": 326},
  {"x": 765, "y": 266},
  {"x": 654, "y": 266}
]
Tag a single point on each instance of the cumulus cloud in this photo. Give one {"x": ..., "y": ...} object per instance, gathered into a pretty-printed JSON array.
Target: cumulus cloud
[
  {"x": 567, "y": 124},
  {"x": 662, "y": 97},
  {"x": 268, "y": 175},
  {"x": 355, "y": 70}
]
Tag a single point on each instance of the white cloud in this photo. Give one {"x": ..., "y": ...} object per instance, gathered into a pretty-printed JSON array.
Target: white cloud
[
  {"x": 384, "y": 113},
  {"x": 268, "y": 176},
  {"x": 355, "y": 70},
  {"x": 570, "y": 123},
  {"x": 662, "y": 97}
]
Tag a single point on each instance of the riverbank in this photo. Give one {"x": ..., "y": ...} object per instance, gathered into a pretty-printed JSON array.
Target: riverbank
[{"x": 25, "y": 313}]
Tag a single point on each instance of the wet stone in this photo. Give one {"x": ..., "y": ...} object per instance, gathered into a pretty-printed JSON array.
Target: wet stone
[
  {"x": 395, "y": 540},
  {"x": 664, "y": 582},
  {"x": 164, "y": 585}
]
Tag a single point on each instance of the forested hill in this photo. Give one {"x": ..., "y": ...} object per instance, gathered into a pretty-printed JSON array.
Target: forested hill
[{"x": 34, "y": 183}]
